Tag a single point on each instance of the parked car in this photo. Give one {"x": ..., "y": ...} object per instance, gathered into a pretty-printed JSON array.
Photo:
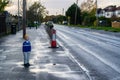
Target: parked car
[
  {"x": 50, "y": 24},
  {"x": 65, "y": 22}
]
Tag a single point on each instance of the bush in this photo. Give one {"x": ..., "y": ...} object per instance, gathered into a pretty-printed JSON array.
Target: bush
[
  {"x": 89, "y": 20},
  {"x": 104, "y": 21}
]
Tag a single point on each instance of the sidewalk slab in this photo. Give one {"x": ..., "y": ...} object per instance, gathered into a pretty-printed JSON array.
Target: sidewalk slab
[{"x": 46, "y": 63}]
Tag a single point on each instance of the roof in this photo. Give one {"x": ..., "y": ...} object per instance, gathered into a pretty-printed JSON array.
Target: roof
[
  {"x": 110, "y": 8},
  {"x": 118, "y": 8}
]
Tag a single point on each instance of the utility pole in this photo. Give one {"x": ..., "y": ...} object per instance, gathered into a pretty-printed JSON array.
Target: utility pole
[
  {"x": 76, "y": 12},
  {"x": 63, "y": 11},
  {"x": 18, "y": 15},
  {"x": 56, "y": 14},
  {"x": 97, "y": 13},
  {"x": 24, "y": 18}
]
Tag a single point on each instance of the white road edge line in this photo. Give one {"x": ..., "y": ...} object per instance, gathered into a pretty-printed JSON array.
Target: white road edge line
[{"x": 73, "y": 58}]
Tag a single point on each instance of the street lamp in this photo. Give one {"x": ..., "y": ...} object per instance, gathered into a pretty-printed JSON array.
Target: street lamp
[
  {"x": 24, "y": 18},
  {"x": 76, "y": 12}
]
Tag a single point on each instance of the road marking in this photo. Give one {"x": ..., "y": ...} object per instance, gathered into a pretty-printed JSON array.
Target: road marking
[
  {"x": 75, "y": 60},
  {"x": 1, "y": 50},
  {"x": 117, "y": 78},
  {"x": 117, "y": 69}
]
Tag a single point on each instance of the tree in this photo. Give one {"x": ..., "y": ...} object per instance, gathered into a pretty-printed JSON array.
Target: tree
[
  {"x": 88, "y": 18},
  {"x": 71, "y": 13},
  {"x": 50, "y": 18},
  {"x": 3, "y": 4},
  {"x": 55, "y": 19},
  {"x": 83, "y": 16},
  {"x": 36, "y": 12},
  {"x": 61, "y": 18},
  {"x": 88, "y": 5}
]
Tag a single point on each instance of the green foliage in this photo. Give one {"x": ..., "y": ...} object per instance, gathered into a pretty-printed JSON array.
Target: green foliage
[
  {"x": 93, "y": 12},
  {"x": 95, "y": 23},
  {"x": 110, "y": 29},
  {"x": 71, "y": 13},
  {"x": 114, "y": 18},
  {"x": 105, "y": 21},
  {"x": 83, "y": 15},
  {"x": 59, "y": 19},
  {"x": 88, "y": 18},
  {"x": 55, "y": 19},
  {"x": 50, "y": 18},
  {"x": 36, "y": 12},
  {"x": 3, "y": 4}
]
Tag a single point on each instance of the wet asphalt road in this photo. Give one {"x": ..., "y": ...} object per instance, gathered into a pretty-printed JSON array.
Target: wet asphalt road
[
  {"x": 97, "y": 52},
  {"x": 46, "y": 63}
]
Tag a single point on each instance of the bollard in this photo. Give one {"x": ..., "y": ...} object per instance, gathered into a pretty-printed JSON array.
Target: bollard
[
  {"x": 26, "y": 51},
  {"x": 53, "y": 41}
]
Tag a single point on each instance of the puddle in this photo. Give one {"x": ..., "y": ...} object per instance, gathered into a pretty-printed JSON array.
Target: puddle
[{"x": 57, "y": 67}]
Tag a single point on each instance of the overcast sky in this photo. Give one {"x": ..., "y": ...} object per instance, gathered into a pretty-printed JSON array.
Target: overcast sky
[{"x": 56, "y": 6}]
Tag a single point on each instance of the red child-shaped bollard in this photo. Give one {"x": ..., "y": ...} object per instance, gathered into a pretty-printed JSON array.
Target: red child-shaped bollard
[{"x": 53, "y": 41}]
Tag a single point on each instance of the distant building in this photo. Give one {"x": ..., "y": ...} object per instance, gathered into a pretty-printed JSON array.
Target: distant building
[
  {"x": 100, "y": 12},
  {"x": 4, "y": 23},
  {"x": 109, "y": 12},
  {"x": 117, "y": 12}
]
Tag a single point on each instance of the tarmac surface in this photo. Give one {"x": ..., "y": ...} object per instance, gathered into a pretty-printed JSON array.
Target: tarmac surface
[{"x": 46, "y": 63}]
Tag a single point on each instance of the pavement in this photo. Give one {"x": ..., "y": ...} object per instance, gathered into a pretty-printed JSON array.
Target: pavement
[{"x": 46, "y": 63}]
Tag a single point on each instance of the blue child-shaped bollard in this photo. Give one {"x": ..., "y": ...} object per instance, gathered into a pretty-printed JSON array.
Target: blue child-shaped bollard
[{"x": 26, "y": 51}]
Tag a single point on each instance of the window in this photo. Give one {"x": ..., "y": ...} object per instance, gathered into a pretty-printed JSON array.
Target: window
[
  {"x": 107, "y": 14},
  {"x": 118, "y": 13}
]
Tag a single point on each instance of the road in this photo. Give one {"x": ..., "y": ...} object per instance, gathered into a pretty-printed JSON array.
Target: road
[{"x": 98, "y": 54}]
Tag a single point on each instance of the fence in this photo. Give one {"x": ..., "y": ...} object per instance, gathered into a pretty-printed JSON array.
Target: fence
[
  {"x": 2, "y": 25},
  {"x": 116, "y": 24}
]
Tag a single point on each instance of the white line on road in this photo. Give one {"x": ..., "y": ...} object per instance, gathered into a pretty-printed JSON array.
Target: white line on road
[
  {"x": 75, "y": 60},
  {"x": 117, "y": 69}
]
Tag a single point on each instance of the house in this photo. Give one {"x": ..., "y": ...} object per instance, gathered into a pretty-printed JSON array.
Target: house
[
  {"x": 109, "y": 12},
  {"x": 100, "y": 12},
  {"x": 117, "y": 12}
]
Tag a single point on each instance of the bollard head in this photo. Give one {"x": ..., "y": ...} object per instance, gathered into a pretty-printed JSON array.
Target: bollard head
[
  {"x": 53, "y": 31},
  {"x": 26, "y": 37}
]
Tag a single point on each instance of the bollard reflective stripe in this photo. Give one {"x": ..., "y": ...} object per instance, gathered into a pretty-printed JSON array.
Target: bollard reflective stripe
[
  {"x": 54, "y": 37},
  {"x": 26, "y": 45},
  {"x": 53, "y": 42}
]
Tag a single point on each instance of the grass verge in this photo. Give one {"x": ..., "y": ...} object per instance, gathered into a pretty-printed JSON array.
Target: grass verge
[{"x": 110, "y": 29}]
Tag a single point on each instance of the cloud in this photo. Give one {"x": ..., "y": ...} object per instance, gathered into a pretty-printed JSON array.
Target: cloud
[
  {"x": 105, "y": 3},
  {"x": 54, "y": 6},
  {"x": 12, "y": 9}
]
